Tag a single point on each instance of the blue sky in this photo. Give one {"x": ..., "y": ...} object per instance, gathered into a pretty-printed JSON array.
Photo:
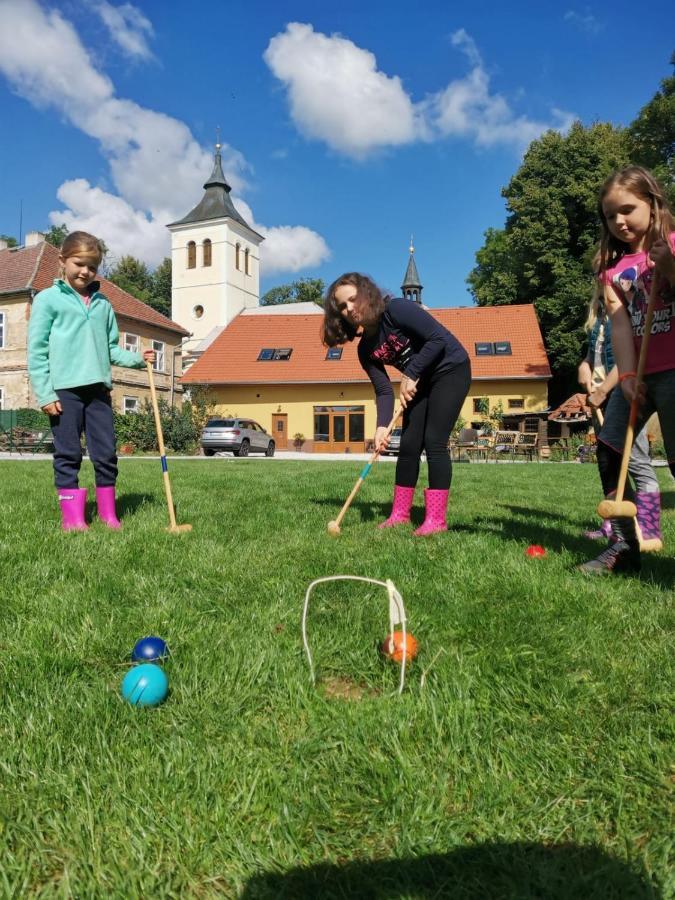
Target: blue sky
[{"x": 345, "y": 126}]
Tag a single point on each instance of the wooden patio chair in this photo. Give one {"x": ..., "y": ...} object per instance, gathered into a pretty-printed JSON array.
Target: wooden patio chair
[
  {"x": 504, "y": 444},
  {"x": 526, "y": 445}
]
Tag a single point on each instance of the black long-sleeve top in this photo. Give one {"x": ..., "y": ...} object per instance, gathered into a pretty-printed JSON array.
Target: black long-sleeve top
[{"x": 411, "y": 340}]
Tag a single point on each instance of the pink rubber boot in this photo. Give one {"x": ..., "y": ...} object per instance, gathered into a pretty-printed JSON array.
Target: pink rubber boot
[
  {"x": 105, "y": 501},
  {"x": 400, "y": 510},
  {"x": 604, "y": 531},
  {"x": 436, "y": 503},
  {"x": 649, "y": 521},
  {"x": 72, "y": 502}
]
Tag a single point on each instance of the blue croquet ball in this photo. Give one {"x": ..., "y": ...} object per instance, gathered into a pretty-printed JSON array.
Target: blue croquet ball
[
  {"x": 149, "y": 649},
  {"x": 145, "y": 685}
]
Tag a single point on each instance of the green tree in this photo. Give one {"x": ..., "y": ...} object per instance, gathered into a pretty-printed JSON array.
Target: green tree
[
  {"x": 133, "y": 276},
  {"x": 651, "y": 137},
  {"x": 543, "y": 254},
  {"x": 11, "y": 241},
  {"x": 161, "y": 288},
  {"x": 57, "y": 235},
  {"x": 305, "y": 290}
]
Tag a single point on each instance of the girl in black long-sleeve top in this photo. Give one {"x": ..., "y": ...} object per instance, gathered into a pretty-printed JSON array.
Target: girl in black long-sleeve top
[{"x": 436, "y": 378}]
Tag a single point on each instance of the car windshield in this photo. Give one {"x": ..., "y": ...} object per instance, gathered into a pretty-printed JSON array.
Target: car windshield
[{"x": 220, "y": 423}]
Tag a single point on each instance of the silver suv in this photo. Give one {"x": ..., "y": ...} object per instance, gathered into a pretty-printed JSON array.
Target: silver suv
[
  {"x": 394, "y": 444},
  {"x": 241, "y": 436}
]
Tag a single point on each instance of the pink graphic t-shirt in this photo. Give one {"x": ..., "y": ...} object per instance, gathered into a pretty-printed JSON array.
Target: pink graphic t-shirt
[{"x": 631, "y": 278}]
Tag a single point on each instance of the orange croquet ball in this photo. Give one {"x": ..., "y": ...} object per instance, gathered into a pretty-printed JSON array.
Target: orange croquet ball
[
  {"x": 392, "y": 647},
  {"x": 535, "y": 551}
]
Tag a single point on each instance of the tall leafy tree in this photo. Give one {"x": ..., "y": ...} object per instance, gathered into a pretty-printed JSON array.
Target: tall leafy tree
[
  {"x": 133, "y": 276},
  {"x": 57, "y": 235},
  {"x": 305, "y": 290},
  {"x": 161, "y": 288},
  {"x": 651, "y": 137},
  {"x": 11, "y": 241},
  {"x": 543, "y": 254}
]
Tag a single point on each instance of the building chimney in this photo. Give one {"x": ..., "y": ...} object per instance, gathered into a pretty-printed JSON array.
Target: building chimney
[
  {"x": 3, "y": 245},
  {"x": 33, "y": 238}
]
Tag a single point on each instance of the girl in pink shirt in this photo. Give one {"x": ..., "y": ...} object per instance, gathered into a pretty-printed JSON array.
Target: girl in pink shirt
[{"x": 637, "y": 245}]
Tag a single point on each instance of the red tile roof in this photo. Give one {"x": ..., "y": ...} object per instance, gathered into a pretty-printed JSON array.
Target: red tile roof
[
  {"x": 35, "y": 268},
  {"x": 575, "y": 407},
  {"x": 233, "y": 356}
]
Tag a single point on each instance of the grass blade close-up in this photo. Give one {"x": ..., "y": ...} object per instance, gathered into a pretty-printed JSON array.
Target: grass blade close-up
[{"x": 530, "y": 754}]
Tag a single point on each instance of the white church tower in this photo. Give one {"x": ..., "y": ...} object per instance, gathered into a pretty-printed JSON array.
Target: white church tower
[{"x": 215, "y": 264}]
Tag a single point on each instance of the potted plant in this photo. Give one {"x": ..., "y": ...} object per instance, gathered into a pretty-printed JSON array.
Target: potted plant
[{"x": 298, "y": 440}]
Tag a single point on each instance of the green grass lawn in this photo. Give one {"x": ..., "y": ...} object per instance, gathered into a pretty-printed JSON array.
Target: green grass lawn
[{"x": 534, "y": 761}]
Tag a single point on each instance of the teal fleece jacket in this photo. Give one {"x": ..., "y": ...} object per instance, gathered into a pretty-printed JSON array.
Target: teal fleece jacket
[{"x": 72, "y": 345}]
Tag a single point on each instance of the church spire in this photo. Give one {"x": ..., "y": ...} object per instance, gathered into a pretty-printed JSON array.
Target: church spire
[
  {"x": 412, "y": 287},
  {"x": 216, "y": 202}
]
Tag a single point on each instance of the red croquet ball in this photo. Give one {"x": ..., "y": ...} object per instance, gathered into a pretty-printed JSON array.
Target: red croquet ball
[
  {"x": 392, "y": 647},
  {"x": 535, "y": 550}
]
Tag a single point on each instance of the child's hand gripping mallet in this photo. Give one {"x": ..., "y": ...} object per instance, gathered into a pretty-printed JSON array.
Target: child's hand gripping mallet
[
  {"x": 618, "y": 507},
  {"x": 173, "y": 527},
  {"x": 334, "y": 526}
]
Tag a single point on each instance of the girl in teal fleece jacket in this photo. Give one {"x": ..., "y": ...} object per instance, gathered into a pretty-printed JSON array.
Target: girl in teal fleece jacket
[{"x": 72, "y": 341}]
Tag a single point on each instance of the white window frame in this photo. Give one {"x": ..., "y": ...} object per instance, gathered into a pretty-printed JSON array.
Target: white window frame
[
  {"x": 2, "y": 398},
  {"x": 3, "y": 323},
  {"x": 134, "y": 407},
  {"x": 131, "y": 345},
  {"x": 160, "y": 352}
]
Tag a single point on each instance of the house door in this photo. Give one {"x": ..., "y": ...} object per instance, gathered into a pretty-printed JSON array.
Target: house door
[
  {"x": 280, "y": 430},
  {"x": 338, "y": 429}
]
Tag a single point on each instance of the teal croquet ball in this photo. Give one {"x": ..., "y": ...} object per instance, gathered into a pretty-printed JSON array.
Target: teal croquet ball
[
  {"x": 145, "y": 685},
  {"x": 150, "y": 649}
]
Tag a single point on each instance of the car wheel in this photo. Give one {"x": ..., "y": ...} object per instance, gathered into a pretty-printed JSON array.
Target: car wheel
[
  {"x": 208, "y": 452},
  {"x": 243, "y": 450},
  {"x": 270, "y": 449}
]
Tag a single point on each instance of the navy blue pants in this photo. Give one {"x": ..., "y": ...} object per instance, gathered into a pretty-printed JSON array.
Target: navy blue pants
[
  {"x": 84, "y": 409},
  {"x": 427, "y": 423}
]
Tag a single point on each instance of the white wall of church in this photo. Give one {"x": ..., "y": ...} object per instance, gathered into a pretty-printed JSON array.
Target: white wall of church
[{"x": 219, "y": 291}]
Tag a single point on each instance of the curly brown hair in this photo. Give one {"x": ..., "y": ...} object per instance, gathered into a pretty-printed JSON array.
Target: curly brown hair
[
  {"x": 643, "y": 184},
  {"x": 336, "y": 329}
]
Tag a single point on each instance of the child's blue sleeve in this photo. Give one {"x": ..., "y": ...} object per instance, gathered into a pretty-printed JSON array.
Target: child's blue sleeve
[{"x": 39, "y": 328}]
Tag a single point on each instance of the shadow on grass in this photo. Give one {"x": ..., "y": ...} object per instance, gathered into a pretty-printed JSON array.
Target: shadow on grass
[
  {"x": 486, "y": 872},
  {"x": 127, "y": 504}
]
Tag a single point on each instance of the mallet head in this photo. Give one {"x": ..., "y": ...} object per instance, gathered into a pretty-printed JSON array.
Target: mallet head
[
  {"x": 610, "y": 509},
  {"x": 333, "y": 528},
  {"x": 178, "y": 529}
]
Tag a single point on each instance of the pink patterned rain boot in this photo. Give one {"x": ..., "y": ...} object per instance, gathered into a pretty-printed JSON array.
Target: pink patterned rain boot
[
  {"x": 400, "y": 510},
  {"x": 105, "y": 501},
  {"x": 436, "y": 503},
  {"x": 604, "y": 532},
  {"x": 649, "y": 521},
  {"x": 72, "y": 502}
]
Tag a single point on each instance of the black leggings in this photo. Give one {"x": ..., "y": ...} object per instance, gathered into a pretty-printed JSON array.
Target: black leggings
[{"x": 427, "y": 423}]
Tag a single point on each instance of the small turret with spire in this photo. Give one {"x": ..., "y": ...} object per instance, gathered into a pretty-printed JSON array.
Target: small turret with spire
[{"x": 411, "y": 288}]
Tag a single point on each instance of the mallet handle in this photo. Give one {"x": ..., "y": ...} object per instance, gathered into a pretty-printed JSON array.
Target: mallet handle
[
  {"x": 366, "y": 469},
  {"x": 160, "y": 441},
  {"x": 635, "y": 405}
]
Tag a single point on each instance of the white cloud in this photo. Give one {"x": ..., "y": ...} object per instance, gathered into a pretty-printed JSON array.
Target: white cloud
[
  {"x": 124, "y": 229},
  {"x": 584, "y": 21},
  {"x": 155, "y": 163},
  {"x": 467, "y": 108},
  {"x": 128, "y": 28},
  {"x": 336, "y": 94},
  {"x": 286, "y": 248}
]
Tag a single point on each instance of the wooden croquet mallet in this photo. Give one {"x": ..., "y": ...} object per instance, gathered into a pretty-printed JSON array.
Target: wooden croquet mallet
[
  {"x": 334, "y": 526},
  {"x": 618, "y": 507},
  {"x": 173, "y": 527}
]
